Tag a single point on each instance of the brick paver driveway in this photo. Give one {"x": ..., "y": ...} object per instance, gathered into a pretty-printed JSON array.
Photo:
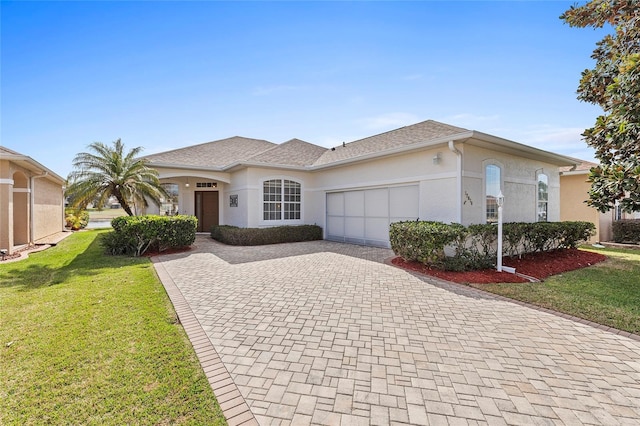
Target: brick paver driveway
[{"x": 325, "y": 333}]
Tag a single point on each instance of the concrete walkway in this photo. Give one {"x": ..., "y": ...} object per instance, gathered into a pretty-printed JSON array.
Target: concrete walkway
[{"x": 327, "y": 334}]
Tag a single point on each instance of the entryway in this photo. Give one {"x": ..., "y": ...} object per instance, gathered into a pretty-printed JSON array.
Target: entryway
[{"x": 206, "y": 209}]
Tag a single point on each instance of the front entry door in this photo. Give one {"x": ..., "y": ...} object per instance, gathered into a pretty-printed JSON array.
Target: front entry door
[{"x": 206, "y": 210}]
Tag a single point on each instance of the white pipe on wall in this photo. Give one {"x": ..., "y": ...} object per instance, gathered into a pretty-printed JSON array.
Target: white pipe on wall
[
  {"x": 458, "y": 153},
  {"x": 32, "y": 203}
]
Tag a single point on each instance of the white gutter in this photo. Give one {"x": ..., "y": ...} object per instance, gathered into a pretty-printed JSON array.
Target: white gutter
[
  {"x": 458, "y": 153},
  {"x": 32, "y": 203}
]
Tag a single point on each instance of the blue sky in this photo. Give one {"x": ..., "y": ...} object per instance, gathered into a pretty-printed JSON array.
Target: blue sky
[{"x": 164, "y": 75}]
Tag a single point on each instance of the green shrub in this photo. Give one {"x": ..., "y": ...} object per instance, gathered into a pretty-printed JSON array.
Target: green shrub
[
  {"x": 423, "y": 241},
  {"x": 626, "y": 231},
  {"x": 576, "y": 233},
  {"x": 76, "y": 218},
  {"x": 235, "y": 236},
  {"x": 135, "y": 235},
  {"x": 475, "y": 247}
]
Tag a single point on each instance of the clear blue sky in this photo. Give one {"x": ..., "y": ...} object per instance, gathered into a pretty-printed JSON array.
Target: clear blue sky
[{"x": 164, "y": 75}]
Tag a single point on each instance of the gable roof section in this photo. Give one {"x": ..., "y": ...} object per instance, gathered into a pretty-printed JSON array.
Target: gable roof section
[
  {"x": 237, "y": 152},
  {"x": 394, "y": 139},
  {"x": 291, "y": 153},
  {"x": 582, "y": 168},
  {"x": 29, "y": 164},
  {"x": 215, "y": 155}
]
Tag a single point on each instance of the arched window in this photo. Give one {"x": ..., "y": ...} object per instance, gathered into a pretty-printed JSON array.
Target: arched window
[
  {"x": 281, "y": 199},
  {"x": 543, "y": 197},
  {"x": 492, "y": 181}
]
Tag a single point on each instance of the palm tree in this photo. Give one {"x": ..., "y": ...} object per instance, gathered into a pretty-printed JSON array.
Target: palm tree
[{"x": 107, "y": 172}]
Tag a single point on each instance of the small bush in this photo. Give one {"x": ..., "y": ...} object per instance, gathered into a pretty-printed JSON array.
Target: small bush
[
  {"x": 76, "y": 218},
  {"x": 235, "y": 236},
  {"x": 423, "y": 241},
  {"x": 135, "y": 235},
  {"x": 626, "y": 231},
  {"x": 475, "y": 247}
]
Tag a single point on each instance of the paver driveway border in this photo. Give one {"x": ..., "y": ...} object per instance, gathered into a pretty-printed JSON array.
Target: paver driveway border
[{"x": 237, "y": 410}]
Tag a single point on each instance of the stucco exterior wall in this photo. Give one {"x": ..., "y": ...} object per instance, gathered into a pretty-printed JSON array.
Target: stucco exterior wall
[
  {"x": 574, "y": 192},
  {"x": 238, "y": 216},
  {"x": 20, "y": 221},
  {"x": 519, "y": 185},
  {"x": 48, "y": 212},
  {"x": 6, "y": 206},
  {"x": 437, "y": 181},
  {"x": 255, "y": 177}
]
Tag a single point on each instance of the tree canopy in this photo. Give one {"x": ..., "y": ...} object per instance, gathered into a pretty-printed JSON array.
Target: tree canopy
[
  {"x": 107, "y": 171},
  {"x": 614, "y": 85}
]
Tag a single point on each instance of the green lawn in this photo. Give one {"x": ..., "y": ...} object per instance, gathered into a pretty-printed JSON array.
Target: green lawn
[
  {"x": 105, "y": 214},
  {"x": 92, "y": 339},
  {"x": 607, "y": 293}
]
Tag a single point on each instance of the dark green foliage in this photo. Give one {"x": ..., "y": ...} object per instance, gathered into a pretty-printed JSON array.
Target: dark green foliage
[
  {"x": 76, "y": 218},
  {"x": 423, "y": 241},
  {"x": 626, "y": 231},
  {"x": 475, "y": 246},
  {"x": 135, "y": 235},
  {"x": 614, "y": 85},
  {"x": 235, "y": 236},
  {"x": 108, "y": 171}
]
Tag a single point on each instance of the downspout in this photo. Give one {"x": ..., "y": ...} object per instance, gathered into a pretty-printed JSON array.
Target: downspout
[
  {"x": 32, "y": 203},
  {"x": 458, "y": 153}
]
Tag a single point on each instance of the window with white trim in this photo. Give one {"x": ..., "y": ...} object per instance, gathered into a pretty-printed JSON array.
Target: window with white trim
[
  {"x": 543, "y": 197},
  {"x": 281, "y": 199},
  {"x": 492, "y": 180}
]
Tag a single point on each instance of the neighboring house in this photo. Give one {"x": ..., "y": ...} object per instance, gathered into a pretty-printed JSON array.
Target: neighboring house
[
  {"x": 574, "y": 192},
  {"x": 31, "y": 201},
  {"x": 426, "y": 171}
]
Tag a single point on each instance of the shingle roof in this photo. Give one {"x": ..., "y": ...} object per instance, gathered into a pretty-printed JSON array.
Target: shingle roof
[
  {"x": 291, "y": 153},
  {"x": 8, "y": 151},
  {"x": 238, "y": 151},
  {"x": 582, "y": 166},
  {"x": 213, "y": 154},
  {"x": 404, "y": 136}
]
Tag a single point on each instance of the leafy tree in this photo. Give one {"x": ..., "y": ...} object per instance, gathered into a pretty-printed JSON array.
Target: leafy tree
[
  {"x": 614, "y": 85},
  {"x": 107, "y": 171}
]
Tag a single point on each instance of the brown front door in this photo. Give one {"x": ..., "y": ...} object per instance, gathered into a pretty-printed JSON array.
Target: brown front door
[{"x": 206, "y": 210}]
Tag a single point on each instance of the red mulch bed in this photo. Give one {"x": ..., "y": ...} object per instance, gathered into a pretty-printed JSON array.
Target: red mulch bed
[
  {"x": 537, "y": 265},
  {"x": 153, "y": 253}
]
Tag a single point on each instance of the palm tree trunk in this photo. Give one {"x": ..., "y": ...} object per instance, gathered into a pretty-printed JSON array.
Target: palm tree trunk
[{"x": 122, "y": 201}]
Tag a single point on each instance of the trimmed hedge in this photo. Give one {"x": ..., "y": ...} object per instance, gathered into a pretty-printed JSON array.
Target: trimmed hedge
[
  {"x": 236, "y": 236},
  {"x": 626, "y": 231},
  {"x": 135, "y": 235},
  {"x": 475, "y": 246}
]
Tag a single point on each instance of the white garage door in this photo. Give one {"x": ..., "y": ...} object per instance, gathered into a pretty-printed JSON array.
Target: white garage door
[{"x": 363, "y": 216}]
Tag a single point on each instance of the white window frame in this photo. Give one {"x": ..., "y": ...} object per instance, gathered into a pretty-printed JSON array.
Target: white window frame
[
  {"x": 485, "y": 205},
  {"x": 280, "y": 201},
  {"x": 539, "y": 201}
]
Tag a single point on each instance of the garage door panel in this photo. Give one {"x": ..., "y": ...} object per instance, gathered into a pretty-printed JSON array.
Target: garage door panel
[
  {"x": 335, "y": 204},
  {"x": 377, "y": 202},
  {"x": 335, "y": 226},
  {"x": 354, "y": 227},
  {"x": 363, "y": 216},
  {"x": 354, "y": 203},
  {"x": 377, "y": 229}
]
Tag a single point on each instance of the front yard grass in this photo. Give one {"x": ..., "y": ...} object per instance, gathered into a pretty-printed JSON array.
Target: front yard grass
[
  {"x": 607, "y": 293},
  {"x": 92, "y": 339}
]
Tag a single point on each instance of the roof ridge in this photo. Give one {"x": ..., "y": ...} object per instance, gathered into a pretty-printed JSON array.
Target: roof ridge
[
  {"x": 211, "y": 142},
  {"x": 410, "y": 125}
]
